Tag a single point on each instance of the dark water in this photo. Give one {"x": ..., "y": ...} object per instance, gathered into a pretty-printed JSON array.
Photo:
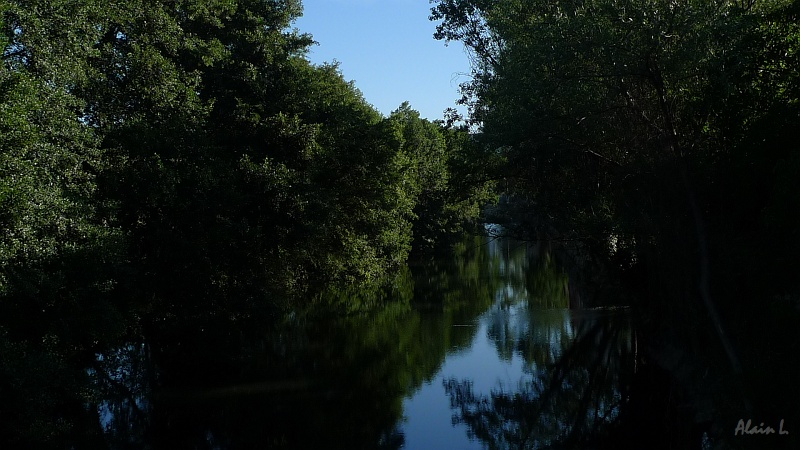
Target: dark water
[
  {"x": 506, "y": 388},
  {"x": 485, "y": 349}
]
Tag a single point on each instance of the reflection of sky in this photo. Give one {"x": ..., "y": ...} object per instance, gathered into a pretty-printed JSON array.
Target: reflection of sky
[
  {"x": 428, "y": 415},
  {"x": 120, "y": 368}
]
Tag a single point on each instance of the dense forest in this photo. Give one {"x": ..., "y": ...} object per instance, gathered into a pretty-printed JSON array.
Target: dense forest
[
  {"x": 659, "y": 143},
  {"x": 662, "y": 136},
  {"x": 181, "y": 155},
  {"x": 644, "y": 126},
  {"x": 169, "y": 161}
]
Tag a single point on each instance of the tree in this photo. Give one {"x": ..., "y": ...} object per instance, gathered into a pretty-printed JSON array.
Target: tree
[
  {"x": 451, "y": 181},
  {"x": 218, "y": 141},
  {"x": 618, "y": 119},
  {"x": 59, "y": 262},
  {"x": 56, "y": 253}
]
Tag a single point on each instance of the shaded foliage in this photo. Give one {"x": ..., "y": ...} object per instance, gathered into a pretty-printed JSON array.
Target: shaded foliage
[
  {"x": 649, "y": 124},
  {"x": 193, "y": 148},
  {"x": 661, "y": 138}
]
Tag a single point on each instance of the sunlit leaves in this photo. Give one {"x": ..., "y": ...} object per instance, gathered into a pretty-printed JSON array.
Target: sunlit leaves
[{"x": 234, "y": 167}]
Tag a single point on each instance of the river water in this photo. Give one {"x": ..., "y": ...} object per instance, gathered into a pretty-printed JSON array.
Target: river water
[
  {"x": 487, "y": 348},
  {"x": 464, "y": 352},
  {"x": 516, "y": 342}
]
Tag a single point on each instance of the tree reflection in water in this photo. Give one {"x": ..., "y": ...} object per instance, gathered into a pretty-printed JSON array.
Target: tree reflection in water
[
  {"x": 122, "y": 377},
  {"x": 315, "y": 380},
  {"x": 576, "y": 388}
]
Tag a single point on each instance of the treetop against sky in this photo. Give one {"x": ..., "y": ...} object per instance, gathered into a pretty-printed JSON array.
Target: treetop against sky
[{"x": 387, "y": 48}]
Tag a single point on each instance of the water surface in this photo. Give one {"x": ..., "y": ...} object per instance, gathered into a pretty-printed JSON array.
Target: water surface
[{"x": 488, "y": 348}]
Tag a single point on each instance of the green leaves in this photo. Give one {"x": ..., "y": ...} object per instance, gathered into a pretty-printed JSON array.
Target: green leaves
[
  {"x": 611, "y": 114},
  {"x": 192, "y": 146},
  {"x": 588, "y": 93}
]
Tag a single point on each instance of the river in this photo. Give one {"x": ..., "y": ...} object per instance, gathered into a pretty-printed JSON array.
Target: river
[
  {"x": 487, "y": 348},
  {"x": 460, "y": 351}
]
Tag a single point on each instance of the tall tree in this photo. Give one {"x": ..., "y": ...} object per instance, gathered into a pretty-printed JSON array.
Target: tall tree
[
  {"x": 56, "y": 254},
  {"x": 618, "y": 118}
]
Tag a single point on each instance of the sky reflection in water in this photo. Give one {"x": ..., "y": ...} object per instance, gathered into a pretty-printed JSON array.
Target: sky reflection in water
[{"x": 495, "y": 359}]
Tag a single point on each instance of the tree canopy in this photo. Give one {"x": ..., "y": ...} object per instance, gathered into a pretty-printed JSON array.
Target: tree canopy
[
  {"x": 639, "y": 120},
  {"x": 191, "y": 148}
]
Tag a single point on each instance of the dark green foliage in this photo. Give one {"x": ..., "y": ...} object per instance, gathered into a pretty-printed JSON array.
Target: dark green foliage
[
  {"x": 55, "y": 253},
  {"x": 646, "y": 124},
  {"x": 449, "y": 174},
  {"x": 663, "y": 137},
  {"x": 189, "y": 146},
  {"x": 172, "y": 159}
]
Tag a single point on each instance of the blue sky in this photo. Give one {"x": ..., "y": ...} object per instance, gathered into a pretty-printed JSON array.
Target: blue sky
[{"x": 387, "y": 48}]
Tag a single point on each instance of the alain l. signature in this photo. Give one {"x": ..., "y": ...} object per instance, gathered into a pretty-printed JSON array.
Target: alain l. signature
[{"x": 743, "y": 428}]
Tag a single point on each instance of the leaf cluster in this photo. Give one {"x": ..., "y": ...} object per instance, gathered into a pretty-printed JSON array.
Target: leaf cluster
[{"x": 615, "y": 117}]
